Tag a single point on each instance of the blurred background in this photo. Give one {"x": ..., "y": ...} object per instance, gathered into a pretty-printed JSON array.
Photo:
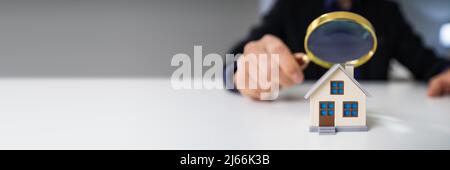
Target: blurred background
[{"x": 137, "y": 38}]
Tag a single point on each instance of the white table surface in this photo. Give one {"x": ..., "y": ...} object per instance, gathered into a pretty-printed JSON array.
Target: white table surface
[{"x": 149, "y": 114}]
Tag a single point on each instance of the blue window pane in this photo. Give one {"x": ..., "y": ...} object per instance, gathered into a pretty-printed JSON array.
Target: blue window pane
[
  {"x": 355, "y": 113},
  {"x": 331, "y": 105},
  {"x": 331, "y": 113},
  {"x": 333, "y": 84},
  {"x": 354, "y": 105},
  {"x": 323, "y": 106},
  {"x": 346, "y": 113},
  {"x": 333, "y": 91},
  {"x": 341, "y": 84},
  {"x": 347, "y": 106},
  {"x": 323, "y": 113},
  {"x": 341, "y": 91}
]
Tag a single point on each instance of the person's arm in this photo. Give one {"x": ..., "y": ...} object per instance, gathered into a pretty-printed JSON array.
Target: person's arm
[
  {"x": 411, "y": 51},
  {"x": 271, "y": 24}
]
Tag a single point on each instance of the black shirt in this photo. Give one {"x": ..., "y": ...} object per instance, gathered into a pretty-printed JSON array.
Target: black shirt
[{"x": 289, "y": 19}]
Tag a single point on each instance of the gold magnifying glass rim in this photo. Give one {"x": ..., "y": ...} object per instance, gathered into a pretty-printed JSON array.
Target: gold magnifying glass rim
[{"x": 334, "y": 16}]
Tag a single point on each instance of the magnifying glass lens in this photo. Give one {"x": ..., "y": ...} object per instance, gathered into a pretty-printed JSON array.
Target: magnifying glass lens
[{"x": 340, "y": 41}]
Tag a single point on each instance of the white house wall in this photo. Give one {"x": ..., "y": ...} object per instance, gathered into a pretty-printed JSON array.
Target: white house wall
[{"x": 351, "y": 93}]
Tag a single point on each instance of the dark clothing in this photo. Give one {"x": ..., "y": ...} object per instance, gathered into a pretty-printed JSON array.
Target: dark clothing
[{"x": 289, "y": 19}]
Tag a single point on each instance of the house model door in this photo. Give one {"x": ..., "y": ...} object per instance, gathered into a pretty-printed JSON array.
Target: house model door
[{"x": 326, "y": 114}]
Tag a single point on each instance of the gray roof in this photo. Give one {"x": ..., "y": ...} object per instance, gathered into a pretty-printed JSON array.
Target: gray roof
[{"x": 327, "y": 75}]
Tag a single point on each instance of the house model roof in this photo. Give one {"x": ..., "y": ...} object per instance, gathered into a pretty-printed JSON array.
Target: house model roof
[{"x": 327, "y": 75}]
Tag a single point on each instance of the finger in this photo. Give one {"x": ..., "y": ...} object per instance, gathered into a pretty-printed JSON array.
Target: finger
[
  {"x": 244, "y": 89},
  {"x": 251, "y": 90},
  {"x": 288, "y": 64},
  {"x": 248, "y": 92},
  {"x": 253, "y": 54},
  {"x": 248, "y": 70},
  {"x": 242, "y": 76},
  {"x": 254, "y": 94},
  {"x": 285, "y": 81},
  {"x": 435, "y": 88},
  {"x": 256, "y": 80},
  {"x": 245, "y": 75},
  {"x": 240, "y": 80}
]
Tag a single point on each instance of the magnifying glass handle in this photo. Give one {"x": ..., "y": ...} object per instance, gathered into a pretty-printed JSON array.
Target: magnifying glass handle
[{"x": 302, "y": 60}]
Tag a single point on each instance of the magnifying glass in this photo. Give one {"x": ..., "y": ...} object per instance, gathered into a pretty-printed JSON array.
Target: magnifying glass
[{"x": 340, "y": 38}]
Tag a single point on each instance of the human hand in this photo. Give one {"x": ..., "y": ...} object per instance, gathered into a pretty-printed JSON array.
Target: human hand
[
  {"x": 291, "y": 66},
  {"x": 440, "y": 85}
]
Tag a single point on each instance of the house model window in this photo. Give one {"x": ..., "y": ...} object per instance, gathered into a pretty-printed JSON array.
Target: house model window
[
  {"x": 337, "y": 87},
  {"x": 327, "y": 108},
  {"x": 350, "y": 109}
]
